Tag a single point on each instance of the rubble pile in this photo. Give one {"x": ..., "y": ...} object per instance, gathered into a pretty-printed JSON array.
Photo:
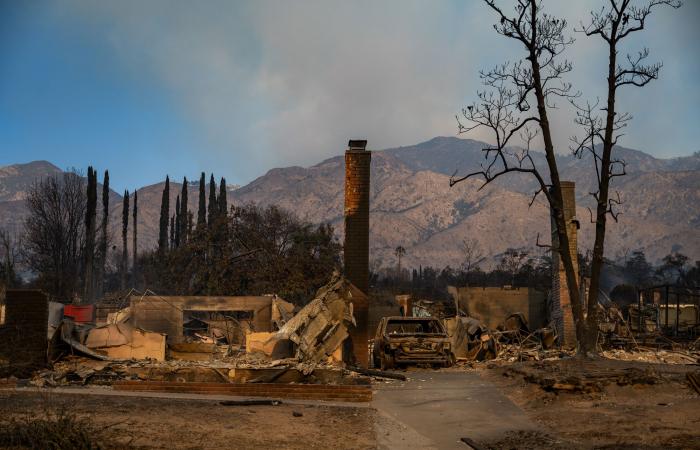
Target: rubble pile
[
  {"x": 317, "y": 331},
  {"x": 654, "y": 356},
  {"x": 85, "y": 353},
  {"x": 82, "y": 371},
  {"x": 586, "y": 381},
  {"x": 576, "y": 375},
  {"x": 514, "y": 341},
  {"x": 201, "y": 346}
]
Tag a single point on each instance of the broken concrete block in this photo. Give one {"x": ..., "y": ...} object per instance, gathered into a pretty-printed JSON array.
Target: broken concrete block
[
  {"x": 317, "y": 330},
  {"x": 193, "y": 351},
  {"x": 122, "y": 341},
  {"x": 282, "y": 311},
  {"x": 320, "y": 327},
  {"x": 266, "y": 344},
  {"x": 143, "y": 345},
  {"x": 110, "y": 335}
]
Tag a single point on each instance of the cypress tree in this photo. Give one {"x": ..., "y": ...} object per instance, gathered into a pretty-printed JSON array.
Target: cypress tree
[
  {"x": 164, "y": 215},
  {"x": 172, "y": 231},
  {"x": 223, "y": 210},
  {"x": 213, "y": 213},
  {"x": 125, "y": 229},
  {"x": 213, "y": 206},
  {"x": 134, "y": 251},
  {"x": 202, "y": 210},
  {"x": 223, "y": 203},
  {"x": 103, "y": 234},
  {"x": 178, "y": 224},
  {"x": 90, "y": 216},
  {"x": 183, "y": 213}
]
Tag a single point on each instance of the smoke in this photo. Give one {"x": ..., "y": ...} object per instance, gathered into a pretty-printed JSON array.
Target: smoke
[{"x": 270, "y": 84}]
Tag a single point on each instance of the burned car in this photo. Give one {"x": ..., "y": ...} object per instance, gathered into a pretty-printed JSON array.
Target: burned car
[{"x": 411, "y": 340}]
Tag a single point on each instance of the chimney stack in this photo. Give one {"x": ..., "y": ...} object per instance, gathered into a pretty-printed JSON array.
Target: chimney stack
[
  {"x": 561, "y": 313},
  {"x": 356, "y": 247}
]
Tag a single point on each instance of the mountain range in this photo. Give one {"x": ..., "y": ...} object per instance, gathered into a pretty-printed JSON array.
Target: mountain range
[{"x": 412, "y": 204}]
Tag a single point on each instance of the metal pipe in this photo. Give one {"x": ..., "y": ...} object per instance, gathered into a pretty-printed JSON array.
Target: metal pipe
[
  {"x": 678, "y": 312},
  {"x": 639, "y": 310},
  {"x": 666, "y": 326}
]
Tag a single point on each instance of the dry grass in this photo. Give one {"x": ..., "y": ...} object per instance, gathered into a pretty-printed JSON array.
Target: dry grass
[{"x": 56, "y": 428}]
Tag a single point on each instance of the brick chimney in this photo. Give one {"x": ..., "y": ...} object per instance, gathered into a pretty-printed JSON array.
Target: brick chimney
[
  {"x": 561, "y": 312},
  {"x": 356, "y": 254},
  {"x": 356, "y": 247}
]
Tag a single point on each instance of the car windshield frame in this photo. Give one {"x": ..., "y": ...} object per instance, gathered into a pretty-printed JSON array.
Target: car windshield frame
[{"x": 390, "y": 322}]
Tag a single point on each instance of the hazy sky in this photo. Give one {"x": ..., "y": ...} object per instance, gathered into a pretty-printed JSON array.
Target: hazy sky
[{"x": 150, "y": 87}]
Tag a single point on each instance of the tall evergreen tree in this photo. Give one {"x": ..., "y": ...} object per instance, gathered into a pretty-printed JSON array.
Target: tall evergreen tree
[
  {"x": 223, "y": 203},
  {"x": 90, "y": 217},
  {"x": 202, "y": 210},
  {"x": 223, "y": 211},
  {"x": 135, "y": 227},
  {"x": 125, "y": 229},
  {"x": 213, "y": 205},
  {"x": 178, "y": 222},
  {"x": 164, "y": 216},
  {"x": 102, "y": 252},
  {"x": 190, "y": 223},
  {"x": 183, "y": 213},
  {"x": 172, "y": 231}
]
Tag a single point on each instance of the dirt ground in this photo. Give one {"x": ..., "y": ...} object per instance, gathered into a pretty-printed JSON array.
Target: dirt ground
[
  {"x": 662, "y": 415},
  {"x": 627, "y": 405},
  {"x": 156, "y": 423}
]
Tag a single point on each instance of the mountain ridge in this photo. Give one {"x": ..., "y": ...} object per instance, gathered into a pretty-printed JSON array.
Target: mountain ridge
[{"x": 412, "y": 204}]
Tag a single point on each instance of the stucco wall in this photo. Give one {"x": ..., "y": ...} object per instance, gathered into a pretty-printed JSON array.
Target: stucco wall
[
  {"x": 164, "y": 314},
  {"x": 492, "y": 305}
]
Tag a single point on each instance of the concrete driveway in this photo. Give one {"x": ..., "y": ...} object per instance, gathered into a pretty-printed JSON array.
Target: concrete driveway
[{"x": 435, "y": 409}]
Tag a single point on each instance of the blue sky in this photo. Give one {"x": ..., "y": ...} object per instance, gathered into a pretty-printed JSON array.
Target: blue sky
[{"x": 145, "y": 88}]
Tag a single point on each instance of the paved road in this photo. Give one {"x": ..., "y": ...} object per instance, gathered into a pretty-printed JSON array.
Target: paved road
[{"x": 435, "y": 409}]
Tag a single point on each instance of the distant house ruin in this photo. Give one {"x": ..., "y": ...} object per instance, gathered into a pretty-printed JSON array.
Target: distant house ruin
[{"x": 492, "y": 305}]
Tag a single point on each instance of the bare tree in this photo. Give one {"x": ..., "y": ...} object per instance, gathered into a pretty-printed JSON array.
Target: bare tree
[
  {"x": 399, "y": 252},
  {"x": 506, "y": 109},
  {"x": 9, "y": 252},
  {"x": 55, "y": 232},
  {"x": 471, "y": 255},
  {"x": 613, "y": 24},
  {"x": 512, "y": 261}
]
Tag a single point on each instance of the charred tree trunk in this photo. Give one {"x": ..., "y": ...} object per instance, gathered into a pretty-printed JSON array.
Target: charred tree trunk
[{"x": 613, "y": 24}]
